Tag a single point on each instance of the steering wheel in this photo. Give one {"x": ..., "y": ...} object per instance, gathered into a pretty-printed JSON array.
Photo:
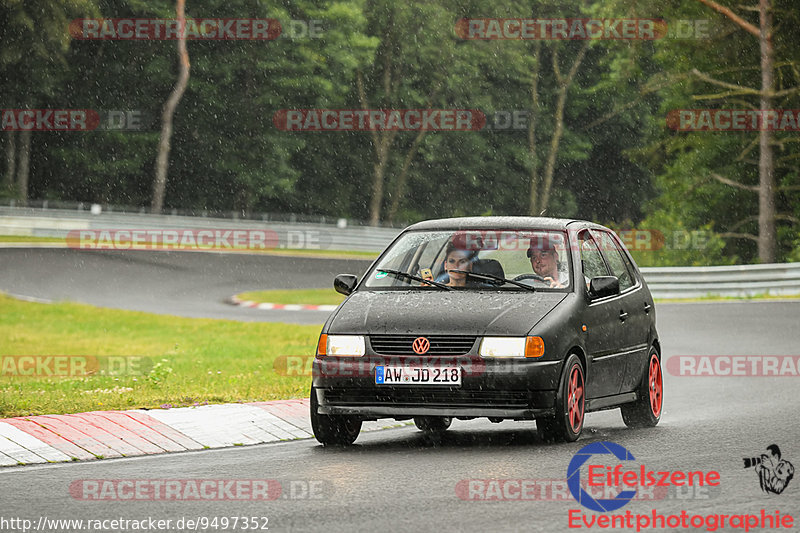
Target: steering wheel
[{"x": 530, "y": 276}]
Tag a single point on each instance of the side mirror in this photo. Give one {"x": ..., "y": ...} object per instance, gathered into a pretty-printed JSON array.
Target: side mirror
[
  {"x": 345, "y": 283},
  {"x": 603, "y": 286}
]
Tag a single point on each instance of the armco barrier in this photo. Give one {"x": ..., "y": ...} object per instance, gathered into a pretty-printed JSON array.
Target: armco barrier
[
  {"x": 58, "y": 222},
  {"x": 738, "y": 280},
  {"x": 664, "y": 282}
]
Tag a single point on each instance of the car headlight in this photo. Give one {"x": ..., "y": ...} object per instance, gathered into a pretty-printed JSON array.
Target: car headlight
[
  {"x": 344, "y": 346},
  {"x": 512, "y": 347}
]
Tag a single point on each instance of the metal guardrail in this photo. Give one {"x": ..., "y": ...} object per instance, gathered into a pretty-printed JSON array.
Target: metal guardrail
[
  {"x": 738, "y": 280},
  {"x": 664, "y": 282},
  {"x": 59, "y": 222},
  {"x": 85, "y": 208}
]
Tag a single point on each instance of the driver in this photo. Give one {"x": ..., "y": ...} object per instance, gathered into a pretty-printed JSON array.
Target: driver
[{"x": 545, "y": 262}]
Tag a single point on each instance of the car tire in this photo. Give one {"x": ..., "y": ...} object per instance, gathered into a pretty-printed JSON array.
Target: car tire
[
  {"x": 433, "y": 424},
  {"x": 567, "y": 424},
  {"x": 333, "y": 430},
  {"x": 646, "y": 411}
]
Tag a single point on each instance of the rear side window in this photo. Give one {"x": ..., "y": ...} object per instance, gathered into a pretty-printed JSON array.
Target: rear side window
[
  {"x": 620, "y": 267},
  {"x": 628, "y": 262},
  {"x": 591, "y": 260}
]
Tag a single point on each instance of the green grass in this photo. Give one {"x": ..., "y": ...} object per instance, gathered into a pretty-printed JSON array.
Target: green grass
[
  {"x": 295, "y": 296},
  {"x": 29, "y": 238},
  {"x": 194, "y": 360}
]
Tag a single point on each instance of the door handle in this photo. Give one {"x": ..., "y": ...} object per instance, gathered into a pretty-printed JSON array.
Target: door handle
[
  {"x": 623, "y": 315},
  {"x": 647, "y": 308}
]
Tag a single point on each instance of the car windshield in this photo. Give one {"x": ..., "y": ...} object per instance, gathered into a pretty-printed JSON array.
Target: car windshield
[{"x": 475, "y": 260}]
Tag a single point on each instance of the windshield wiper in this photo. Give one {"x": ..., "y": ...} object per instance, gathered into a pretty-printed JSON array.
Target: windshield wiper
[
  {"x": 492, "y": 277},
  {"x": 401, "y": 274}
]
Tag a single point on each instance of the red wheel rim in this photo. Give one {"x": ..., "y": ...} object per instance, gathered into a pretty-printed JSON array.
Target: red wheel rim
[
  {"x": 655, "y": 385},
  {"x": 575, "y": 398}
]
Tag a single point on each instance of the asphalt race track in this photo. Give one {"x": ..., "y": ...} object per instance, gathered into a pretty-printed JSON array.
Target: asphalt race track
[
  {"x": 192, "y": 284},
  {"x": 399, "y": 480}
]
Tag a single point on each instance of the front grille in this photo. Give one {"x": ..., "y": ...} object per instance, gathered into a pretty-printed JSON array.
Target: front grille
[
  {"x": 440, "y": 344},
  {"x": 399, "y": 397}
]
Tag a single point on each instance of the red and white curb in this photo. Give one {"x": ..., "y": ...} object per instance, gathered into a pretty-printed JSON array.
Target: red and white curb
[
  {"x": 283, "y": 307},
  {"x": 106, "y": 434}
]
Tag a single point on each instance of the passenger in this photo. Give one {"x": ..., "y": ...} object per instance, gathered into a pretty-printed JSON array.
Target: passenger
[
  {"x": 458, "y": 259},
  {"x": 545, "y": 262}
]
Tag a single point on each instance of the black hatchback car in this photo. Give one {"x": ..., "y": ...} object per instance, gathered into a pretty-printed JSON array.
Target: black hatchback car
[{"x": 501, "y": 317}]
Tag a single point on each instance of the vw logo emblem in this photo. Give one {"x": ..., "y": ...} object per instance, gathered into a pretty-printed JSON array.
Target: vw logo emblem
[{"x": 421, "y": 345}]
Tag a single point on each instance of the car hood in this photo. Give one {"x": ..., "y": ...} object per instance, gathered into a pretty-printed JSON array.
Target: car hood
[{"x": 443, "y": 312}]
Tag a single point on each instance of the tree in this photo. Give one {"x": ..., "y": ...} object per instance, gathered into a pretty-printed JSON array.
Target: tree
[
  {"x": 714, "y": 176},
  {"x": 35, "y": 36},
  {"x": 228, "y": 152},
  {"x": 162, "y": 160},
  {"x": 766, "y": 169},
  {"x": 393, "y": 82},
  {"x": 11, "y": 159},
  {"x": 540, "y": 190},
  {"x": 421, "y": 63}
]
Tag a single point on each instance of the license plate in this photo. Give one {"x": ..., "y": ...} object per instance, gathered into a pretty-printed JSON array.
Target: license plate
[{"x": 415, "y": 375}]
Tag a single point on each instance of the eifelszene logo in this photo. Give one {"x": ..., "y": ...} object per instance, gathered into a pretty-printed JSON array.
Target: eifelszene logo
[
  {"x": 613, "y": 478},
  {"x": 574, "y": 476},
  {"x": 774, "y": 473}
]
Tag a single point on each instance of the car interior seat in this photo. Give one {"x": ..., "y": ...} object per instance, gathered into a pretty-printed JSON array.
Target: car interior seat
[
  {"x": 488, "y": 266},
  {"x": 479, "y": 266}
]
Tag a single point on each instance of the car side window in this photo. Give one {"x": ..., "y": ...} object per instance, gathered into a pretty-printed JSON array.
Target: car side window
[
  {"x": 433, "y": 255},
  {"x": 628, "y": 263},
  {"x": 616, "y": 260},
  {"x": 591, "y": 259}
]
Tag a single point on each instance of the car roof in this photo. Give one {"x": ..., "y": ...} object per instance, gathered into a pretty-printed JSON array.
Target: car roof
[{"x": 495, "y": 222}]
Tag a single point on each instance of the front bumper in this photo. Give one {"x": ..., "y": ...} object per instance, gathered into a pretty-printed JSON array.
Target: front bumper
[{"x": 513, "y": 389}]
